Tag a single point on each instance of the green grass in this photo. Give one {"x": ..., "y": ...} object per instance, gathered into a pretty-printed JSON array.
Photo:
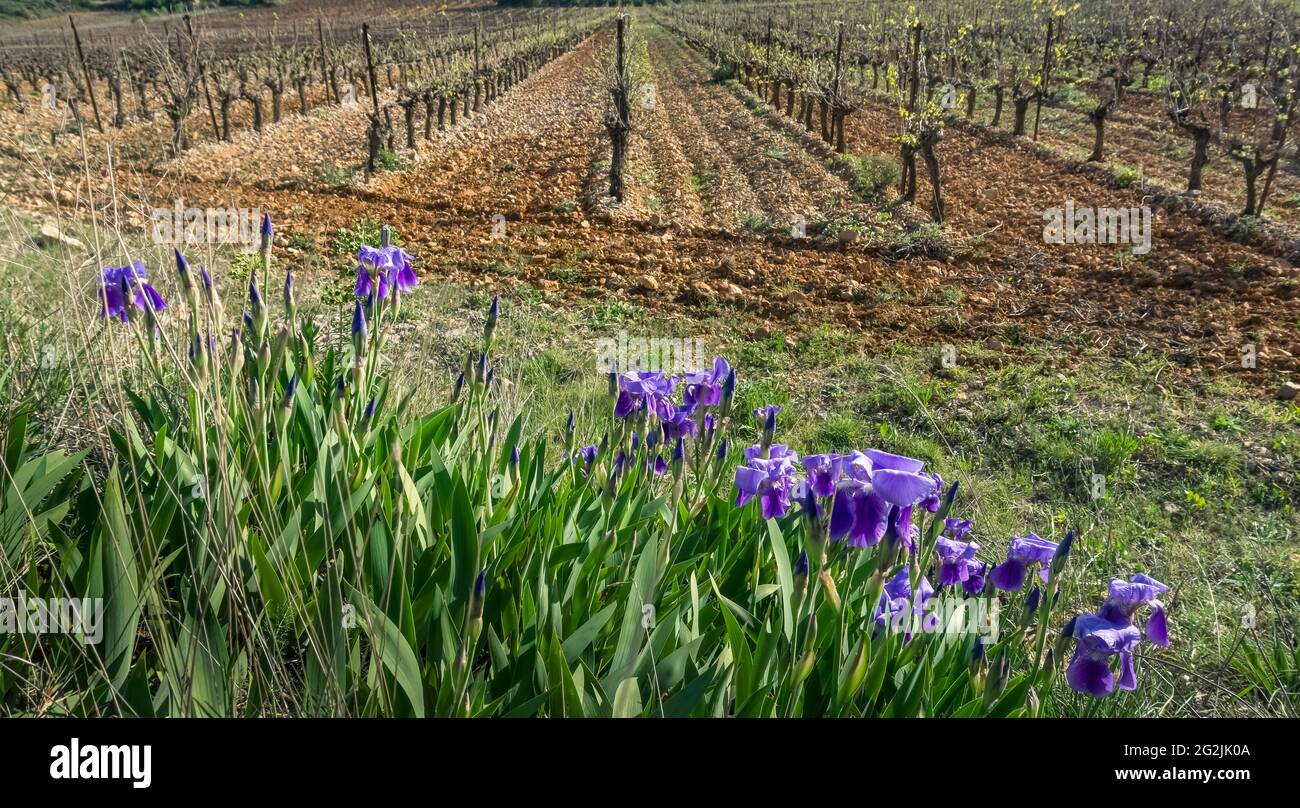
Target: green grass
[
  {"x": 873, "y": 175},
  {"x": 1125, "y": 176},
  {"x": 702, "y": 181},
  {"x": 1201, "y": 475}
]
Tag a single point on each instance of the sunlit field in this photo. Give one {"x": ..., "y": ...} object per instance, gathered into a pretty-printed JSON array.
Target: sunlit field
[{"x": 800, "y": 359}]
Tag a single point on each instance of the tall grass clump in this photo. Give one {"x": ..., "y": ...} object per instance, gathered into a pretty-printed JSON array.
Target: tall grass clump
[
  {"x": 272, "y": 530},
  {"x": 872, "y": 175}
]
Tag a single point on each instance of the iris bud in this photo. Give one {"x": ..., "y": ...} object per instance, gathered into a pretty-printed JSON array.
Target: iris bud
[
  {"x": 1031, "y": 604},
  {"x": 187, "y": 278},
  {"x": 257, "y": 307},
  {"x": 977, "y": 658},
  {"x": 997, "y": 679},
  {"x": 289, "y": 390},
  {"x": 264, "y": 357},
  {"x": 476, "y": 599},
  {"x": 801, "y": 576},
  {"x": 494, "y": 314},
  {"x": 359, "y": 331},
  {"x": 199, "y": 355},
  {"x": 1062, "y": 553},
  {"x": 769, "y": 429},
  {"x": 289, "y": 305},
  {"x": 236, "y": 353},
  {"x": 1067, "y": 636}
]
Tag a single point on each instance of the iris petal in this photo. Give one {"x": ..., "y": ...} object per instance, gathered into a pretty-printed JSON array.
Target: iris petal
[
  {"x": 1090, "y": 675},
  {"x": 901, "y": 488},
  {"x": 1157, "y": 629},
  {"x": 1009, "y": 576},
  {"x": 1128, "y": 679}
]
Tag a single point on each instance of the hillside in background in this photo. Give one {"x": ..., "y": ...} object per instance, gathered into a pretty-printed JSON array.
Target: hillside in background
[{"x": 34, "y": 9}]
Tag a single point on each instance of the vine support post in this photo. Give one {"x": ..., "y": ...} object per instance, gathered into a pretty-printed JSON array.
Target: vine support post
[
  {"x": 324, "y": 65},
  {"x": 914, "y": 77},
  {"x": 1047, "y": 67},
  {"x": 370, "y": 68},
  {"x": 619, "y": 122},
  {"x": 837, "y": 100},
  {"x": 767, "y": 62},
  {"x": 203, "y": 76},
  {"x": 85, "y": 70}
]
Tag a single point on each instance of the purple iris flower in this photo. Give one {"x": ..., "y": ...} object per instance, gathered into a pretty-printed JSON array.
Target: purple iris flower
[
  {"x": 1098, "y": 640},
  {"x": 859, "y": 513},
  {"x": 380, "y": 269},
  {"x": 650, "y": 388},
  {"x": 957, "y": 562},
  {"x": 1110, "y": 632},
  {"x": 588, "y": 455},
  {"x": 824, "y": 471},
  {"x": 771, "y": 480},
  {"x": 857, "y": 466},
  {"x": 868, "y": 484},
  {"x": 956, "y": 529},
  {"x": 974, "y": 584},
  {"x": 931, "y": 502},
  {"x": 677, "y": 425},
  {"x": 704, "y": 387},
  {"x": 1026, "y": 552},
  {"x": 898, "y": 603},
  {"x": 1126, "y": 597},
  {"x": 118, "y": 284},
  {"x": 901, "y": 488}
]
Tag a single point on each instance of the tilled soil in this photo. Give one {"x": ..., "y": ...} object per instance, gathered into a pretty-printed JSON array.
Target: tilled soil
[
  {"x": 700, "y": 161},
  {"x": 1140, "y": 136},
  {"x": 1195, "y": 294}
]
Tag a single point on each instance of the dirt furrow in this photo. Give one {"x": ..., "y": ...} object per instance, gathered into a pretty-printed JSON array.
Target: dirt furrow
[
  {"x": 788, "y": 180},
  {"x": 723, "y": 189}
]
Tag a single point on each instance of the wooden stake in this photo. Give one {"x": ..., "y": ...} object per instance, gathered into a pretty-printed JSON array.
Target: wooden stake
[
  {"x": 370, "y": 68},
  {"x": 90, "y": 86},
  {"x": 1047, "y": 67}
]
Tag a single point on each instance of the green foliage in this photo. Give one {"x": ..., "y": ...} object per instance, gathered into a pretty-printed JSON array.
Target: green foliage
[
  {"x": 758, "y": 222},
  {"x": 872, "y": 174},
  {"x": 333, "y": 175},
  {"x": 390, "y": 160},
  {"x": 1124, "y": 176},
  {"x": 382, "y": 562},
  {"x": 927, "y": 239}
]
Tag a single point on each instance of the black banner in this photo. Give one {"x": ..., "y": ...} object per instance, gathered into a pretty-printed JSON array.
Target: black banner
[{"x": 332, "y": 757}]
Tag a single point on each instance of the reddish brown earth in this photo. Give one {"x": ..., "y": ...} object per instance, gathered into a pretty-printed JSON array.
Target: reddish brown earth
[{"x": 701, "y": 159}]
